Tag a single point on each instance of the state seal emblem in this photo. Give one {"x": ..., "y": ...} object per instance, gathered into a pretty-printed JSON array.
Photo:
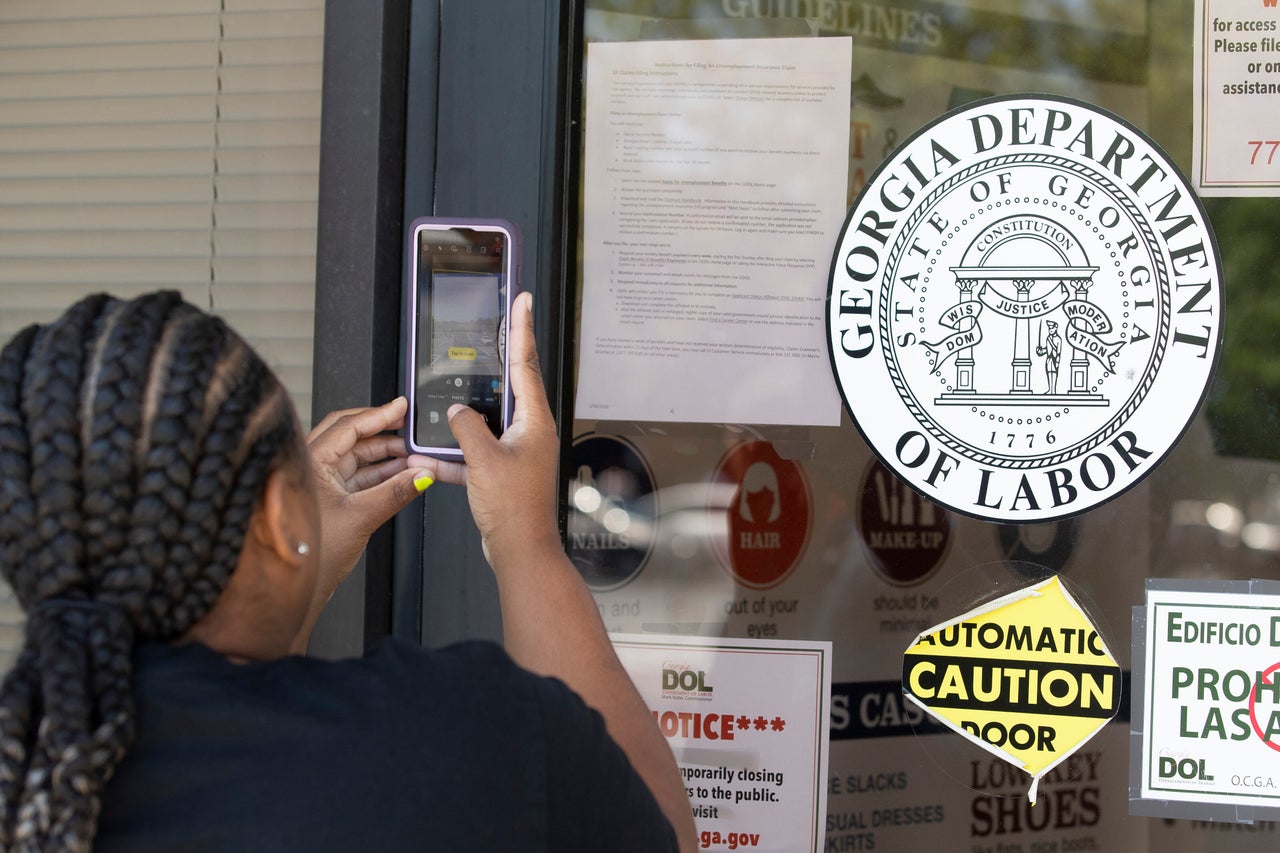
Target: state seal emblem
[{"x": 1025, "y": 308}]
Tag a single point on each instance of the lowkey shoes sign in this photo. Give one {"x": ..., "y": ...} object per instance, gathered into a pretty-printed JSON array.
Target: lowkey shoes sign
[
  {"x": 1025, "y": 308},
  {"x": 1026, "y": 677}
]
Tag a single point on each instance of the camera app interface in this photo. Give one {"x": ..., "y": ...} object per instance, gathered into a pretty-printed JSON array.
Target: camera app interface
[{"x": 461, "y": 289}]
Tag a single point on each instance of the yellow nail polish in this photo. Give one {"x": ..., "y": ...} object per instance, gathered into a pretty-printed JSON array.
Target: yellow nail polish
[{"x": 423, "y": 483}]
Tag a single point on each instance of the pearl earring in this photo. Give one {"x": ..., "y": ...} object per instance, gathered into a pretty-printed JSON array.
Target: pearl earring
[{"x": 303, "y": 549}]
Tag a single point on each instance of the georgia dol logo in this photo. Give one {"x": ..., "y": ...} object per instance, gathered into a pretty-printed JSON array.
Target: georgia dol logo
[{"x": 1025, "y": 308}]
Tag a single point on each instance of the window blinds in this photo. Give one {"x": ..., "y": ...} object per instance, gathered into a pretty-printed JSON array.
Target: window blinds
[
  {"x": 164, "y": 143},
  {"x": 150, "y": 144}
]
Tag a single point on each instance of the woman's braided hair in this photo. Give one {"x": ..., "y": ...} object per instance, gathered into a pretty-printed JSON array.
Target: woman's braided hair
[{"x": 135, "y": 440}]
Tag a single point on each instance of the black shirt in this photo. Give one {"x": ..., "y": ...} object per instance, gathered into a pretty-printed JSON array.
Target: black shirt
[{"x": 452, "y": 750}]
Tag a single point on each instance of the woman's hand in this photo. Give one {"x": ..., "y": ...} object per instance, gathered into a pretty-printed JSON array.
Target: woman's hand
[
  {"x": 362, "y": 477},
  {"x": 511, "y": 482}
]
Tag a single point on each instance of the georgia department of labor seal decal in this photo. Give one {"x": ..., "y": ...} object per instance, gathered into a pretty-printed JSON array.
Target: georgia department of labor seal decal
[{"x": 1025, "y": 308}]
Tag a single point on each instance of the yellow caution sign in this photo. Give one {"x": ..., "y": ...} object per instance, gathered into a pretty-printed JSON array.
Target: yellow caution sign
[{"x": 1026, "y": 677}]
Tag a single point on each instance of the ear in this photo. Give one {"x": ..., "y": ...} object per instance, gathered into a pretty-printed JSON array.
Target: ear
[{"x": 277, "y": 523}]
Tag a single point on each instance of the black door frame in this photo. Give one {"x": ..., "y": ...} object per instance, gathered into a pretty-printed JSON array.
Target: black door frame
[{"x": 454, "y": 107}]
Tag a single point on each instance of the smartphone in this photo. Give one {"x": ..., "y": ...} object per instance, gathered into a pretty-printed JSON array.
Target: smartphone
[{"x": 462, "y": 280}]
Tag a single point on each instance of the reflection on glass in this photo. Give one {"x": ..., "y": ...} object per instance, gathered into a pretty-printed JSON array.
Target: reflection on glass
[{"x": 1210, "y": 510}]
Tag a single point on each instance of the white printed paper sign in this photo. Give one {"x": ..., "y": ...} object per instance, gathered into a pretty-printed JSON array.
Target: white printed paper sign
[
  {"x": 1237, "y": 97},
  {"x": 1210, "y": 722},
  {"x": 714, "y": 178},
  {"x": 747, "y": 721}
]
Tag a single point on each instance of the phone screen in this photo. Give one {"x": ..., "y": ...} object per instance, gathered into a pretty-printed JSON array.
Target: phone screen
[{"x": 461, "y": 299}]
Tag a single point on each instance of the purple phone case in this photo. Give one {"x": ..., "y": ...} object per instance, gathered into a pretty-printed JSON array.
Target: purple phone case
[{"x": 511, "y": 269}]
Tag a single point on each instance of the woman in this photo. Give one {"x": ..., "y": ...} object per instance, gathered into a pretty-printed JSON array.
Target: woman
[{"x": 172, "y": 541}]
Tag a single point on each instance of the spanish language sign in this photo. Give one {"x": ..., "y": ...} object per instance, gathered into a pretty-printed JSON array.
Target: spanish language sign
[
  {"x": 1025, "y": 308},
  {"x": 747, "y": 721},
  {"x": 1237, "y": 96},
  {"x": 1210, "y": 717},
  {"x": 1026, "y": 677}
]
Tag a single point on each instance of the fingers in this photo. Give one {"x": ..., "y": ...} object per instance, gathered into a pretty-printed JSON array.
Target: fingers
[
  {"x": 377, "y": 449},
  {"x": 394, "y": 495},
  {"x": 472, "y": 433},
  {"x": 442, "y": 470},
  {"x": 352, "y": 450},
  {"x": 333, "y": 416},
  {"x": 532, "y": 415},
  {"x": 340, "y": 431},
  {"x": 369, "y": 476},
  {"x": 526, "y": 373},
  {"x": 468, "y": 427},
  {"x": 381, "y": 501}
]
